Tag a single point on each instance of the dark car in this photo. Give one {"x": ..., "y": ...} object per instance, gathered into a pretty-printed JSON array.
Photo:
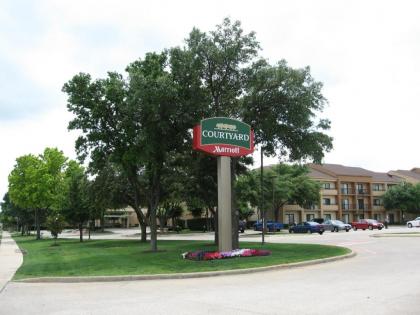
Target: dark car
[
  {"x": 307, "y": 227},
  {"x": 241, "y": 226},
  {"x": 272, "y": 226},
  {"x": 336, "y": 225}
]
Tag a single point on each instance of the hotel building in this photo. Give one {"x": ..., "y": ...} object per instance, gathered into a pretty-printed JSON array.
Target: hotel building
[{"x": 347, "y": 194}]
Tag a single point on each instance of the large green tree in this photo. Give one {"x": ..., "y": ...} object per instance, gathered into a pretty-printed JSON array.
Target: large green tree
[
  {"x": 36, "y": 181},
  {"x": 223, "y": 73},
  {"x": 404, "y": 197},
  {"x": 137, "y": 123}
]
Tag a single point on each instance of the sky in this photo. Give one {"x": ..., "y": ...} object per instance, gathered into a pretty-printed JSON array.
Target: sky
[{"x": 366, "y": 53}]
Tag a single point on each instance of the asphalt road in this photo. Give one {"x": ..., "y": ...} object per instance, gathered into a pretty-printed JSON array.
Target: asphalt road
[{"x": 383, "y": 278}]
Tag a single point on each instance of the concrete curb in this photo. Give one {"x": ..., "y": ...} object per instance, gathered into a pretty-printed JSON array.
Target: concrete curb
[
  {"x": 183, "y": 275},
  {"x": 396, "y": 235}
]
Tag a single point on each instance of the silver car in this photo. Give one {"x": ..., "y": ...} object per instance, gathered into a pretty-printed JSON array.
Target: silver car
[{"x": 336, "y": 225}]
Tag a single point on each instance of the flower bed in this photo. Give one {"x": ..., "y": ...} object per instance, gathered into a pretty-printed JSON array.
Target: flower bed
[{"x": 205, "y": 255}]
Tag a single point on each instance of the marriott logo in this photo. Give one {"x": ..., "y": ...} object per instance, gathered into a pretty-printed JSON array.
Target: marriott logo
[{"x": 219, "y": 149}]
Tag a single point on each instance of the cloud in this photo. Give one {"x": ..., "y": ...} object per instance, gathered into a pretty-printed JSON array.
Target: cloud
[{"x": 365, "y": 53}]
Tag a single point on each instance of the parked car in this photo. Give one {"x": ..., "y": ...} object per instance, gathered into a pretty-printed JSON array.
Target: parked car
[
  {"x": 336, "y": 225},
  {"x": 318, "y": 220},
  {"x": 272, "y": 226},
  {"x": 307, "y": 227},
  {"x": 241, "y": 226},
  {"x": 415, "y": 222},
  {"x": 367, "y": 224}
]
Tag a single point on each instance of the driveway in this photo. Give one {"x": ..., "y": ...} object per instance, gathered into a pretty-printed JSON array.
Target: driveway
[{"x": 382, "y": 279}]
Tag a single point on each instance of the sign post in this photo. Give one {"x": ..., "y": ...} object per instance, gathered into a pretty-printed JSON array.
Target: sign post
[{"x": 225, "y": 138}]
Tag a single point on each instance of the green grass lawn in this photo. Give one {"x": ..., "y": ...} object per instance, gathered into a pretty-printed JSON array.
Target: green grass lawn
[{"x": 130, "y": 257}]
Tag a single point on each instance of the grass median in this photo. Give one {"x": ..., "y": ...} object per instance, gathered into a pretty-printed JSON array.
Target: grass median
[{"x": 130, "y": 257}]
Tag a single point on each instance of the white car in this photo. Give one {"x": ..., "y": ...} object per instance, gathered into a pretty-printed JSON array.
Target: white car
[{"x": 415, "y": 222}]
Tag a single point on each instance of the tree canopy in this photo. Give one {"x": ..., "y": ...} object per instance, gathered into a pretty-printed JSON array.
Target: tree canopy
[
  {"x": 35, "y": 182},
  {"x": 282, "y": 184},
  {"x": 405, "y": 197},
  {"x": 142, "y": 122}
]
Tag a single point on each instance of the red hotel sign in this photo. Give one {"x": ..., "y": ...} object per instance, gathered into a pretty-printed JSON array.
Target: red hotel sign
[{"x": 223, "y": 136}]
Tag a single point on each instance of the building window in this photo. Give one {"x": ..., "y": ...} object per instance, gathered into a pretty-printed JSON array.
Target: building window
[
  {"x": 345, "y": 189},
  {"x": 361, "y": 189},
  {"x": 327, "y": 216},
  {"x": 327, "y": 186},
  {"x": 377, "y": 202},
  {"x": 378, "y": 187},
  {"x": 310, "y": 216},
  {"x": 326, "y": 201},
  {"x": 345, "y": 204}
]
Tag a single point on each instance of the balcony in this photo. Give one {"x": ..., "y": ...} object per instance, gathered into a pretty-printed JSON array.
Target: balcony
[
  {"x": 347, "y": 191},
  {"x": 363, "y": 207},
  {"x": 329, "y": 192},
  {"x": 362, "y": 191},
  {"x": 347, "y": 206},
  {"x": 330, "y": 207},
  {"x": 351, "y": 206}
]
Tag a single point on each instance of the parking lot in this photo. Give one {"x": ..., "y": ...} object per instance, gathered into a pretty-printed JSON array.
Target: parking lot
[{"x": 382, "y": 279}]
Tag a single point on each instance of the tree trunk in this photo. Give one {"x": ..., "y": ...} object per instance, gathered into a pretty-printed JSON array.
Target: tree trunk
[
  {"x": 38, "y": 226},
  {"x": 276, "y": 214},
  {"x": 153, "y": 229},
  {"x": 143, "y": 231},
  {"x": 90, "y": 225},
  {"x": 102, "y": 221},
  {"x": 81, "y": 232}
]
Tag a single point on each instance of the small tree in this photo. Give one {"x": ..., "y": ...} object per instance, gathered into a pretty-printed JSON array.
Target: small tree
[
  {"x": 282, "y": 184},
  {"x": 76, "y": 206},
  {"x": 55, "y": 223}
]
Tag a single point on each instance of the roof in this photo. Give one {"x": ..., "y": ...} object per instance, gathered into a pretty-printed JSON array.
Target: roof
[
  {"x": 385, "y": 177},
  {"x": 332, "y": 171},
  {"x": 313, "y": 173},
  {"x": 338, "y": 169},
  {"x": 411, "y": 174}
]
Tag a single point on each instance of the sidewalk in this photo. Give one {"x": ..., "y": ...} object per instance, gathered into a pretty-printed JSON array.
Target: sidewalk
[{"x": 10, "y": 259}]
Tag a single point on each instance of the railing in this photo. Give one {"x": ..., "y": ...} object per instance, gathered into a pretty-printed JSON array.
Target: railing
[
  {"x": 378, "y": 188},
  {"x": 347, "y": 206},
  {"x": 351, "y": 206},
  {"x": 363, "y": 207},
  {"x": 362, "y": 191},
  {"x": 347, "y": 191}
]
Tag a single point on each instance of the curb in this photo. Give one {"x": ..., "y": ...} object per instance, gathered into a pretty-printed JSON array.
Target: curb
[
  {"x": 395, "y": 235},
  {"x": 184, "y": 275}
]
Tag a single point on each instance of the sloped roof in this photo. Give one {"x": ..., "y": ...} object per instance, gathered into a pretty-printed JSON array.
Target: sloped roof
[
  {"x": 346, "y": 170},
  {"x": 385, "y": 177},
  {"x": 334, "y": 170},
  {"x": 313, "y": 173},
  {"x": 411, "y": 174}
]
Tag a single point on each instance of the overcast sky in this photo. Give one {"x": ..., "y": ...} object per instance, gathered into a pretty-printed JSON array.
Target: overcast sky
[{"x": 367, "y": 54}]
